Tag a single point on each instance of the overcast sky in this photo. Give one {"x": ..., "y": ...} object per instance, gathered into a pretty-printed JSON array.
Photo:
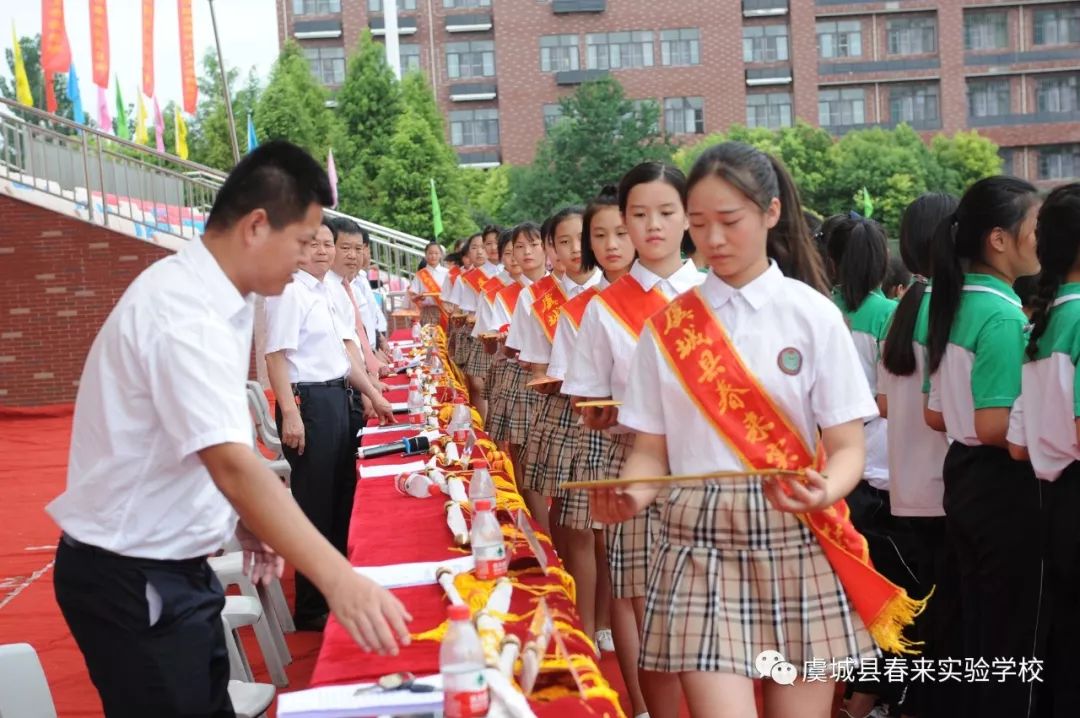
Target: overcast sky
[{"x": 248, "y": 39}]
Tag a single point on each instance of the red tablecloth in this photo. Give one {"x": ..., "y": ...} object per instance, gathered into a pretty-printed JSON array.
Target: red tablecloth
[{"x": 389, "y": 528}]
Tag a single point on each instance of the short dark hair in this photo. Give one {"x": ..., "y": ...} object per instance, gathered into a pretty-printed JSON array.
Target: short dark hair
[
  {"x": 551, "y": 224},
  {"x": 491, "y": 229},
  {"x": 432, "y": 244},
  {"x": 454, "y": 257},
  {"x": 505, "y": 237},
  {"x": 344, "y": 225},
  {"x": 607, "y": 197},
  {"x": 330, "y": 224},
  {"x": 277, "y": 177}
]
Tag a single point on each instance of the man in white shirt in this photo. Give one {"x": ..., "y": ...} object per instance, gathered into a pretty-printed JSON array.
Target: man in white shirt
[
  {"x": 162, "y": 460},
  {"x": 373, "y": 314},
  {"x": 313, "y": 357}
]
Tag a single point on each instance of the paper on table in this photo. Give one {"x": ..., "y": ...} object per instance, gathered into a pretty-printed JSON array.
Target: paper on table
[
  {"x": 404, "y": 344},
  {"x": 380, "y": 472},
  {"x": 399, "y": 406},
  {"x": 403, "y": 575},
  {"x": 342, "y": 701}
]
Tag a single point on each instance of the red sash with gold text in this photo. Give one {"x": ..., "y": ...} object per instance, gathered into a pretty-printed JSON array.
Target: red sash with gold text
[
  {"x": 546, "y": 310},
  {"x": 630, "y": 304},
  {"x": 476, "y": 279},
  {"x": 431, "y": 286},
  {"x": 739, "y": 408},
  {"x": 492, "y": 288},
  {"x": 508, "y": 297},
  {"x": 455, "y": 272},
  {"x": 575, "y": 308}
]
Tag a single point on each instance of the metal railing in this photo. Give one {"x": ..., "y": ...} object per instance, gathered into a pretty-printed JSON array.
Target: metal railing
[{"x": 136, "y": 190}]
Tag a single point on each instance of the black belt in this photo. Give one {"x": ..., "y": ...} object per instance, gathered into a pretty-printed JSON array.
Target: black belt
[
  {"x": 97, "y": 550},
  {"x": 343, "y": 382}
]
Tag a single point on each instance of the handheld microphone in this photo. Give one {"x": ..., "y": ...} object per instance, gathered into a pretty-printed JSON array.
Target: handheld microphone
[{"x": 415, "y": 445}]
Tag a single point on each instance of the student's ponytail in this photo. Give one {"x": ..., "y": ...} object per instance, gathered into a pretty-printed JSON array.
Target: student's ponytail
[
  {"x": 989, "y": 204},
  {"x": 1058, "y": 236},
  {"x": 859, "y": 254},
  {"x": 917, "y": 227}
]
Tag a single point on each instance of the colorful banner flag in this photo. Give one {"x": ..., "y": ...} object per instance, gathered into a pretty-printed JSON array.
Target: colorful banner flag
[
  {"x": 148, "y": 47},
  {"x": 142, "y": 137},
  {"x": 867, "y": 204},
  {"x": 75, "y": 96},
  {"x": 22, "y": 84},
  {"x": 122, "y": 130},
  {"x": 104, "y": 118},
  {"x": 252, "y": 140},
  {"x": 159, "y": 128},
  {"x": 331, "y": 170},
  {"x": 50, "y": 91},
  {"x": 99, "y": 43},
  {"x": 187, "y": 57},
  {"x": 436, "y": 212},
  {"x": 181, "y": 134},
  {"x": 55, "y": 51}
]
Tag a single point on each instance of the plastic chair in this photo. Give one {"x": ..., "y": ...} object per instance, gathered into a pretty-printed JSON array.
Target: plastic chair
[
  {"x": 264, "y": 423},
  {"x": 249, "y": 699},
  {"x": 24, "y": 692},
  {"x": 247, "y": 609}
]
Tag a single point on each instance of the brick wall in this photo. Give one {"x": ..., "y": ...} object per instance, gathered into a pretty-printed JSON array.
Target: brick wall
[{"x": 59, "y": 278}]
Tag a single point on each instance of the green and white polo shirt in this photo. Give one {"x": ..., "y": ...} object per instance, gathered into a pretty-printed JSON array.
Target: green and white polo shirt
[
  {"x": 982, "y": 363},
  {"x": 1044, "y": 417},
  {"x": 869, "y": 324}
]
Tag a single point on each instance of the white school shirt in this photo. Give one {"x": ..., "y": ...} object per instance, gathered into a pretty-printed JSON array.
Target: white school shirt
[
  {"x": 448, "y": 286},
  {"x": 466, "y": 296},
  {"x": 764, "y": 319},
  {"x": 600, "y": 364},
  {"x": 562, "y": 347},
  {"x": 343, "y": 306},
  {"x": 499, "y": 316},
  {"x": 521, "y": 317},
  {"x": 305, "y": 322},
  {"x": 1049, "y": 384},
  {"x": 485, "y": 308},
  {"x": 370, "y": 309},
  {"x": 536, "y": 348},
  {"x": 439, "y": 272},
  {"x": 163, "y": 380}
]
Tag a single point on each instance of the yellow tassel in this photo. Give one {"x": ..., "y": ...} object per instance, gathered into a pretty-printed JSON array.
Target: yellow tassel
[
  {"x": 565, "y": 578},
  {"x": 434, "y": 634},
  {"x": 887, "y": 629}
]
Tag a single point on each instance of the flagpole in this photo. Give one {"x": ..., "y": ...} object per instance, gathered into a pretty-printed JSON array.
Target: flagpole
[{"x": 225, "y": 88}]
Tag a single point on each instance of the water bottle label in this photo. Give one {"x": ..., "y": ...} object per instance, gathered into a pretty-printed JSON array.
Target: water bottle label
[
  {"x": 491, "y": 561},
  {"x": 465, "y": 695},
  {"x": 461, "y": 435},
  {"x": 416, "y": 417}
]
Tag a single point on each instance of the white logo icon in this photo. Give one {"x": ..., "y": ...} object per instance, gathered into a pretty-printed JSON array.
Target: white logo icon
[{"x": 771, "y": 664}]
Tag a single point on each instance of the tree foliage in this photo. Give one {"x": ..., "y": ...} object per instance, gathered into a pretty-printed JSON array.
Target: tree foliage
[
  {"x": 293, "y": 106},
  {"x": 208, "y": 132}
]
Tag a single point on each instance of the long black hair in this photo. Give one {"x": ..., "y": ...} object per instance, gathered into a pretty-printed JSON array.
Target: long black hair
[
  {"x": 762, "y": 178},
  {"x": 858, "y": 257},
  {"x": 607, "y": 197},
  {"x": 1058, "y": 236},
  {"x": 917, "y": 226},
  {"x": 651, "y": 172},
  {"x": 992, "y": 203}
]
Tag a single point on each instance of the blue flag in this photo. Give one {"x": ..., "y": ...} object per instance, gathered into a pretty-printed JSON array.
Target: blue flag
[
  {"x": 253, "y": 141},
  {"x": 77, "y": 113}
]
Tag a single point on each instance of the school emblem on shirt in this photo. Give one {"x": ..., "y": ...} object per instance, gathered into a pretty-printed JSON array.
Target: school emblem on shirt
[{"x": 790, "y": 361}]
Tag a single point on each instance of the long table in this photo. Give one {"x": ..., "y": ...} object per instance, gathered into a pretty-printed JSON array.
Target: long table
[{"x": 389, "y": 528}]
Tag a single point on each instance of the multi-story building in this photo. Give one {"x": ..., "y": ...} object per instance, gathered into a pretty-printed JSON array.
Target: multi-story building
[{"x": 1008, "y": 68}]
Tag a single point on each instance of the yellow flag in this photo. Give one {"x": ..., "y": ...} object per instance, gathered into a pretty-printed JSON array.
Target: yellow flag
[
  {"x": 181, "y": 135},
  {"x": 141, "y": 136},
  {"x": 22, "y": 85}
]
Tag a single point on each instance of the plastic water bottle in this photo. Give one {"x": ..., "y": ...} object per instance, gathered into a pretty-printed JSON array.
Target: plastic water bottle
[
  {"x": 416, "y": 331},
  {"x": 416, "y": 485},
  {"x": 488, "y": 545},
  {"x": 460, "y": 421},
  {"x": 415, "y": 403},
  {"x": 481, "y": 487},
  {"x": 461, "y": 662}
]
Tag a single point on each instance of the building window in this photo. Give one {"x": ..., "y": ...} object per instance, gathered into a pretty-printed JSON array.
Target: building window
[
  {"x": 1057, "y": 27},
  {"x": 1059, "y": 162},
  {"x": 402, "y": 5},
  {"x": 552, "y": 114},
  {"x": 327, "y": 64},
  {"x": 914, "y": 104},
  {"x": 765, "y": 43},
  {"x": 989, "y": 98},
  {"x": 1008, "y": 160},
  {"x": 316, "y": 7},
  {"x": 470, "y": 59},
  {"x": 912, "y": 36},
  {"x": 559, "y": 53},
  {"x": 1058, "y": 94},
  {"x": 684, "y": 115},
  {"x": 842, "y": 107},
  {"x": 473, "y": 128},
  {"x": 839, "y": 39},
  {"x": 466, "y": 3},
  {"x": 410, "y": 56},
  {"x": 771, "y": 110},
  {"x": 619, "y": 50},
  {"x": 986, "y": 30},
  {"x": 680, "y": 47}
]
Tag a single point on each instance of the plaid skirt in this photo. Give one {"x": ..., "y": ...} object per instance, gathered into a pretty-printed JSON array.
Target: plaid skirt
[
  {"x": 496, "y": 424},
  {"x": 731, "y": 577},
  {"x": 479, "y": 361},
  {"x": 590, "y": 451},
  {"x": 512, "y": 406},
  {"x": 458, "y": 336},
  {"x": 551, "y": 444},
  {"x": 627, "y": 543}
]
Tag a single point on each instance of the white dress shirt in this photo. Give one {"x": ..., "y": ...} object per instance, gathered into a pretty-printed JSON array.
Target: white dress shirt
[
  {"x": 305, "y": 322},
  {"x": 343, "y": 306},
  {"x": 485, "y": 308},
  {"x": 521, "y": 318},
  {"x": 439, "y": 273},
  {"x": 535, "y": 345},
  {"x": 163, "y": 380},
  {"x": 562, "y": 347},
  {"x": 370, "y": 308}
]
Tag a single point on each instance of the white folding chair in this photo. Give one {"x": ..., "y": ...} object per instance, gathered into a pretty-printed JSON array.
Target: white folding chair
[
  {"x": 248, "y": 609},
  {"x": 24, "y": 692},
  {"x": 264, "y": 422},
  {"x": 249, "y": 699}
]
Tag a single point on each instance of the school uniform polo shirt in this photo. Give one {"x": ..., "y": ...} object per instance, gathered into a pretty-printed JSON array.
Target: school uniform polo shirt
[
  {"x": 981, "y": 367},
  {"x": 417, "y": 286},
  {"x": 1044, "y": 417},
  {"x": 562, "y": 347},
  {"x": 485, "y": 308},
  {"x": 536, "y": 347}
]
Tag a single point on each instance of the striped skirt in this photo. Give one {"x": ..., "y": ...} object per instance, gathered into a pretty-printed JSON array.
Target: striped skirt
[
  {"x": 551, "y": 444},
  {"x": 590, "y": 451},
  {"x": 730, "y": 577}
]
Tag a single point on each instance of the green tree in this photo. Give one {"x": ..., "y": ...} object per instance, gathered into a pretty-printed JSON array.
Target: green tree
[
  {"x": 964, "y": 158},
  {"x": 31, "y": 53},
  {"x": 414, "y": 156},
  {"x": 416, "y": 94},
  {"x": 369, "y": 104},
  {"x": 293, "y": 106},
  {"x": 208, "y": 132},
  {"x": 486, "y": 194},
  {"x": 600, "y": 136}
]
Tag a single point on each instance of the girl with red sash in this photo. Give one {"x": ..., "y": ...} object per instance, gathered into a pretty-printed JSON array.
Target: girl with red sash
[
  {"x": 487, "y": 323},
  {"x": 470, "y": 289},
  {"x": 651, "y": 204},
  {"x": 472, "y": 248},
  {"x": 429, "y": 280},
  {"x": 740, "y": 374},
  {"x": 605, "y": 244}
]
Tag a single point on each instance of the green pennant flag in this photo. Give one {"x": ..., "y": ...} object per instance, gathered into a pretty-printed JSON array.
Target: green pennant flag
[
  {"x": 867, "y": 204},
  {"x": 436, "y": 213},
  {"x": 121, "y": 115}
]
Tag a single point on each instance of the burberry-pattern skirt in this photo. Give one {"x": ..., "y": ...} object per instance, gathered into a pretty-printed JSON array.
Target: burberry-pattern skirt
[
  {"x": 627, "y": 543},
  {"x": 730, "y": 576},
  {"x": 511, "y": 406},
  {"x": 459, "y": 337},
  {"x": 479, "y": 361},
  {"x": 496, "y": 373},
  {"x": 590, "y": 451},
  {"x": 551, "y": 444}
]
